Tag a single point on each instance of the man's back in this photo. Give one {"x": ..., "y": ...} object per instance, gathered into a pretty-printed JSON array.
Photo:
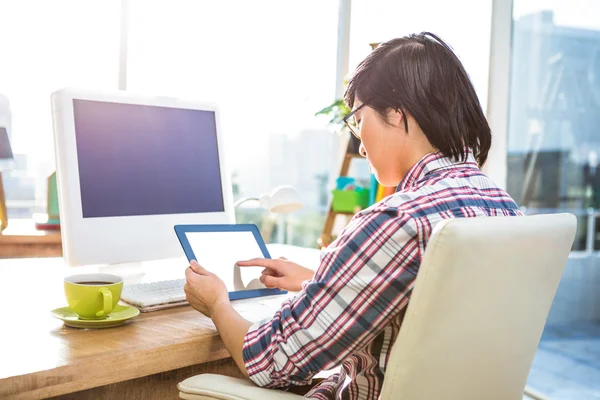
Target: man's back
[{"x": 351, "y": 313}]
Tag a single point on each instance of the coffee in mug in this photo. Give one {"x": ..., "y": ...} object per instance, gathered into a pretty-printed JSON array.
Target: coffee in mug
[{"x": 95, "y": 283}]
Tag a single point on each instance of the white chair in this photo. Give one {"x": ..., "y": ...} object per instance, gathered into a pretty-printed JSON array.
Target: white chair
[{"x": 475, "y": 318}]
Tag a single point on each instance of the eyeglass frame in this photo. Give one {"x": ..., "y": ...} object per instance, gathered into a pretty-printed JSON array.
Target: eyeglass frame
[{"x": 350, "y": 115}]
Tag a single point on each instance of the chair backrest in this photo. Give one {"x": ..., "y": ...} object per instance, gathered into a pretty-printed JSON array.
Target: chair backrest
[{"x": 478, "y": 308}]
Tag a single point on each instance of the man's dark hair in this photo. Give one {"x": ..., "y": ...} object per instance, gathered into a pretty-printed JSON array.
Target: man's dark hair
[{"x": 420, "y": 75}]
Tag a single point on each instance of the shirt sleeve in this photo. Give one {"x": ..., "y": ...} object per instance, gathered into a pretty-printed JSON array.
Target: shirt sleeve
[{"x": 364, "y": 280}]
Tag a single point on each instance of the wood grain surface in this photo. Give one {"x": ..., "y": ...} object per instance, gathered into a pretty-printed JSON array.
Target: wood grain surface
[{"x": 41, "y": 358}]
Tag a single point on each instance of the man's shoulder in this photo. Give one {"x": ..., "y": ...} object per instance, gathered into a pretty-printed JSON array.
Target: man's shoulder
[
  {"x": 403, "y": 203},
  {"x": 435, "y": 193}
]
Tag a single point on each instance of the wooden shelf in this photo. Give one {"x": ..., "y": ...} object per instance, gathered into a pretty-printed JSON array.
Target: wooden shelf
[
  {"x": 353, "y": 155},
  {"x": 22, "y": 239},
  {"x": 326, "y": 234},
  {"x": 343, "y": 212}
]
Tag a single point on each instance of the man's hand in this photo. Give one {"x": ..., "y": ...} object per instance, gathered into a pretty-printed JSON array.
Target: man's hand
[
  {"x": 204, "y": 290},
  {"x": 280, "y": 273},
  {"x": 208, "y": 294}
]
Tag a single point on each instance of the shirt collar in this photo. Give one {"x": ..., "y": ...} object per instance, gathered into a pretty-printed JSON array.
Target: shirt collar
[{"x": 433, "y": 162}]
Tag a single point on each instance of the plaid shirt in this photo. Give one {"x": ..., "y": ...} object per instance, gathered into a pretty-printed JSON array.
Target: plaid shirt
[{"x": 350, "y": 314}]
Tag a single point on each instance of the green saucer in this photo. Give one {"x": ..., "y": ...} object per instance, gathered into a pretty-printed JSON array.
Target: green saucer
[{"x": 119, "y": 315}]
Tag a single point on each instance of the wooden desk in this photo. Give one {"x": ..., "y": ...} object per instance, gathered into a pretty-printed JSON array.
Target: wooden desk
[
  {"x": 144, "y": 359},
  {"x": 21, "y": 239}
]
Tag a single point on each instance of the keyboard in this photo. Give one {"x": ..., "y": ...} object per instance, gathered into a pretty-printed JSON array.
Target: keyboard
[{"x": 154, "y": 293}]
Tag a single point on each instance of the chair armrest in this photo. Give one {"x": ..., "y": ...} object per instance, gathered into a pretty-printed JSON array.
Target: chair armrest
[{"x": 212, "y": 386}]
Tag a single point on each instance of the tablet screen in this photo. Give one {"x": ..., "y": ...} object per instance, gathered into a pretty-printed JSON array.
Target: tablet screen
[{"x": 218, "y": 252}]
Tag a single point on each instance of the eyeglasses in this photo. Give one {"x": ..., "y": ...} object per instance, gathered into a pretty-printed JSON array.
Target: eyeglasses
[{"x": 351, "y": 123}]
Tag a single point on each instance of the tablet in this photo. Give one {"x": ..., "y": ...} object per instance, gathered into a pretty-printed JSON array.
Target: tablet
[{"x": 218, "y": 248}]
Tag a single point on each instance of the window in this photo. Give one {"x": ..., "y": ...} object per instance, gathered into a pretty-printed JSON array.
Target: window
[
  {"x": 553, "y": 143},
  {"x": 46, "y": 45},
  {"x": 553, "y": 166},
  {"x": 375, "y": 21},
  {"x": 268, "y": 75},
  {"x": 468, "y": 33}
]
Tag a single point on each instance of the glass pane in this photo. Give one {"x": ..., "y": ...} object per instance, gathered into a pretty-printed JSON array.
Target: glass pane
[
  {"x": 269, "y": 66},
  {"x": 554, "y": 110},
  {"x": 468, "y": 33},
  {"x": 44, "y": 46},
  {"x": 553, "y": 166}
]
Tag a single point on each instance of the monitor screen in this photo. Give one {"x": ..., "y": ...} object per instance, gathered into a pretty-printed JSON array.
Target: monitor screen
[{"x": 146, "y": 160}]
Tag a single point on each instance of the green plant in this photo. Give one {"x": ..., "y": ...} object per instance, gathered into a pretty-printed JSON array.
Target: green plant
[{"x": 336, "y": 112}]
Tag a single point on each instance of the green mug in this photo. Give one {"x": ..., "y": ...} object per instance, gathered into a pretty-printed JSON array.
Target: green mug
[{"x": 93, "y": 296}]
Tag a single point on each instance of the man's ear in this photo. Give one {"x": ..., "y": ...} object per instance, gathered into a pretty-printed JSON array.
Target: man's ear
[{"x": 396, "y": 118}]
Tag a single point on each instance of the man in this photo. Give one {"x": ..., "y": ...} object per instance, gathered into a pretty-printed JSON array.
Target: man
[{"x": 422, "y": 129}]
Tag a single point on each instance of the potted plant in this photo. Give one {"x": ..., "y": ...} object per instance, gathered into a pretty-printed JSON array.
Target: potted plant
[{"x": 336, "y": 112}]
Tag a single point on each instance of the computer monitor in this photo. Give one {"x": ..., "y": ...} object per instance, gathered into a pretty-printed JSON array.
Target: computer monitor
[{"x": 129, "y": 168}]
